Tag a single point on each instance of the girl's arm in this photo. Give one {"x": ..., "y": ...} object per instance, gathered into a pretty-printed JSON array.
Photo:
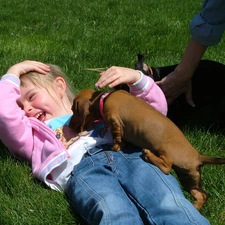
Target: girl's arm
[
  {"x": 146, "y": 89},
  {"x": 140, "y": 85},
  {"x": 16, "y": 132},
  {"x": 117, "y": 75},
  {"x": 28, "y": 66}
]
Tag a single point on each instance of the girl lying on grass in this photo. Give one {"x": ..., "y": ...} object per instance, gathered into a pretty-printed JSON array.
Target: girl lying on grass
[{"x": 103, "y": 186}]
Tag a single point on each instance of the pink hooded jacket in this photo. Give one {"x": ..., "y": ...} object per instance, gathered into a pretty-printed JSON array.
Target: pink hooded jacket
[{"x": 33, "y": 141}]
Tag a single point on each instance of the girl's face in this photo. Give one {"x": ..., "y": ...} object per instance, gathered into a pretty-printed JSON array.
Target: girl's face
[{"x": 37, "y": 102}]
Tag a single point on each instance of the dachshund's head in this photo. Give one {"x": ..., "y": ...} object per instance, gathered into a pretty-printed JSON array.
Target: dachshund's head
[{"x": 85, "y": 109}]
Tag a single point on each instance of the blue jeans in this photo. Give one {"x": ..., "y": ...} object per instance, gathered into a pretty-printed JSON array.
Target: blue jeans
[{"x": 120, "y": 188}]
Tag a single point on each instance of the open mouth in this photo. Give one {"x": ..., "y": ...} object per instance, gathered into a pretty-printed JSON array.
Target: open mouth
[{"x": 40, "y": 116}]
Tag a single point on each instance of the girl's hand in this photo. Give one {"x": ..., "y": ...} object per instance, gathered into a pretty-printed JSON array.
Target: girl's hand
[
  {"x": 117, "y": 75},
  {"x": 28, "y": 66}
]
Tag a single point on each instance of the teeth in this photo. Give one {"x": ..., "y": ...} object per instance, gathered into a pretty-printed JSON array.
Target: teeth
[{"x": 38, "y": 115}]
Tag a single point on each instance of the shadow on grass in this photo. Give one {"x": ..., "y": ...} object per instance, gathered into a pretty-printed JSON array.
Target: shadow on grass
[
  {"x": 73, "y": 211},
  {"x": 210, "y": 118}
]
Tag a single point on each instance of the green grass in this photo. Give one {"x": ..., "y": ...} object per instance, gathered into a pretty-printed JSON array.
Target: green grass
[{"x": 89, "y": 34}]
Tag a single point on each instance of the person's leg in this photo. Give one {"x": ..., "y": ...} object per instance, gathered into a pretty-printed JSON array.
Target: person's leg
[
  {"x": 157, "y": 196},
  {"x": 95, "y": 193}
]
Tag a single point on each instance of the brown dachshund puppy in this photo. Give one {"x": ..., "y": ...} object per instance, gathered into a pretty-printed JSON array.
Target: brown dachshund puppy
[{"x": 132, "y": 120}]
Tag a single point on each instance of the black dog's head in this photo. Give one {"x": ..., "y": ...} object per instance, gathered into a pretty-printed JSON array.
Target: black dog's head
[
  {"x": 144, "y": 68},
  {"x": 140, "y": 65}
]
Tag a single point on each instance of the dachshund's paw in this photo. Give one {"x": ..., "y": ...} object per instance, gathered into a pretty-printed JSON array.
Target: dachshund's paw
[
  {"x": 145, "y": 154},
  {"x": 116, "y": 147}
]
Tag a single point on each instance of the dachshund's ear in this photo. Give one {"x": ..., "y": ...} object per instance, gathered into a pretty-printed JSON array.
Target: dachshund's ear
[{"x": 82, "y": 110}]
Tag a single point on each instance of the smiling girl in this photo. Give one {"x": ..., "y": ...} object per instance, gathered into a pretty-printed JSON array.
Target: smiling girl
[{"x": 103, "y": 186}]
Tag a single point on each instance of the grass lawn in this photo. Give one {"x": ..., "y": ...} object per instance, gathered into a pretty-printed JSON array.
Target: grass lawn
[{"x": 77, "y": 35}]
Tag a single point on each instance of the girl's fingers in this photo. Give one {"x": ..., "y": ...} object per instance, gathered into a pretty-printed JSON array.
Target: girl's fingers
[
  {"x": 28, "y": 66},
  {"x": 107, "y": 79}
]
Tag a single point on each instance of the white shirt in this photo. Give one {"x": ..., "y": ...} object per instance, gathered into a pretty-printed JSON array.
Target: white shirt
[{"x": 77, "y": 148}]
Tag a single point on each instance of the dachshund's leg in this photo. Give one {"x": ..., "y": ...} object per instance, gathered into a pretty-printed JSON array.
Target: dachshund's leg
[
  {"x": 162, "y": 162},
  {"x": 116, "y": 130},
  {"x": 191, "y": 182}
]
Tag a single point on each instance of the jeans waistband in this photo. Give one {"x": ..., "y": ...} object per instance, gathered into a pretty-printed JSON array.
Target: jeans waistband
[{"x": 98, "y": 149}]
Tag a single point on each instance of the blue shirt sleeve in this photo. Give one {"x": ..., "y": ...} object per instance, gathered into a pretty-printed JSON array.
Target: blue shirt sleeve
[{"x": 208, "y": 26}]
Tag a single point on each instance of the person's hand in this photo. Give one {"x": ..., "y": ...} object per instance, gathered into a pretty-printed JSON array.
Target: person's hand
[
  {"x": 179, "y": 81},
  {"x": 117, "y": 75},
  {"x": 174, "y": 85},
  {"x": 28, "y": 66}
]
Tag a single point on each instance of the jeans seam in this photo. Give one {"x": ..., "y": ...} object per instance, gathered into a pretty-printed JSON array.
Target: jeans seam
[
  {"x": 99, "y": 199},
  {"x": 110, "y": 160},
  {"x": 177, "y": 200}
]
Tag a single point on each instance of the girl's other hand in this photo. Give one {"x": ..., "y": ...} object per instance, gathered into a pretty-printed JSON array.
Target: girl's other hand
[
  {"x": 117, "y": 75},
  {"x": 28, "y": 66}
]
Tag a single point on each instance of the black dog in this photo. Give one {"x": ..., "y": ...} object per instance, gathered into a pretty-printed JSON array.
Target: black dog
[{"x": 208, "y": 92}]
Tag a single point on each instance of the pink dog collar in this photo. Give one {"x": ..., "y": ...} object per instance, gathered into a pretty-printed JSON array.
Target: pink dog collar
[{"x": 102, "y": 101}]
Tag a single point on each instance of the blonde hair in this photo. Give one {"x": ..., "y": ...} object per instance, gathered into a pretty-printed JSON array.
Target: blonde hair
[{"x": 46, "y": 81}]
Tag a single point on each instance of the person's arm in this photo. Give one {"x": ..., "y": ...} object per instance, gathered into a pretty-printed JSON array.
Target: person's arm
[
  {"x": 116, "y": 75},
  {"x": 146, "y": 89},
  {"x": 140, "y": 85},
  {"x": 28, "y": 66},
  {"x": 16, "y": 131},
  {"x": 206, "y": 29},
  {"x": 179, "y": 81}
]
